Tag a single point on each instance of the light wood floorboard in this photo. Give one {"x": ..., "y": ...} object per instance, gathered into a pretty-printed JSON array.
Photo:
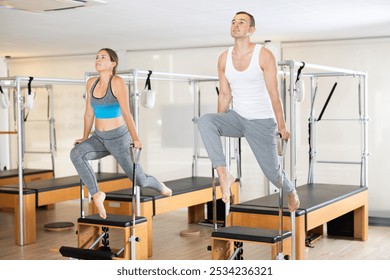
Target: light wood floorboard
[{"x": 169, "y": 245}]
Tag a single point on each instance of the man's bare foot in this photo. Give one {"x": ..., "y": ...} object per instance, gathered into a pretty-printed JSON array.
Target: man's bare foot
[
  {"x": 165, "y": 190},
  {"x": 225, "y": 187},
  {"x": 99, "y": 198},
  {"x": 293, "y": 201}
]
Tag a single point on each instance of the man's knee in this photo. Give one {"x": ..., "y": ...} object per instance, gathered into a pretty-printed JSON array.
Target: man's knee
[{"x": 204, "y": 122}]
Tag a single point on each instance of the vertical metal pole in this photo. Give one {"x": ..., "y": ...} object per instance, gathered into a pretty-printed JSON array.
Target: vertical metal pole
[
  {"x": 293, "y": 144},
  {"x": 293, "y": 231},
  {"x": 20, "y": 157},
  {"x": 214, "y": 189},
  {"x": 196, "y": 92},
  {"x": 293, "y": 136},
  {"x": 53, "y": 145},
  {"x": 238, "y": 158},
  {"x": 135, "y": 154},
  {"x": 228, "y": 164},
  {"x": 365, "y": 132},
  {"x": 82, "y": 214},
  {"x": 135, "y": 100},
  {"x": 136, "y": 121},
  {"x": 312, "y": 135}
]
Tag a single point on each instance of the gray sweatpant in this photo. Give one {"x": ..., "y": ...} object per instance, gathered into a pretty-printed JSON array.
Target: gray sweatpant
[
  {"x": 259, "y": 133},
  {"x": 114, "y": 142}
]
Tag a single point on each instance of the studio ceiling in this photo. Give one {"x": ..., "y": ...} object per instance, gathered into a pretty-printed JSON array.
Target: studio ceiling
[{"x": 166, "y": 24}]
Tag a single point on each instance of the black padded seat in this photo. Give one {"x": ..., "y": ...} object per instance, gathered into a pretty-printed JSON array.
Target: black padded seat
[
  {"x": 112, "y": 220},
  {"x": 179, "y": 186},
  {"x": 250, "y": 234},
  {"x": 311, "y": 196},
  {"x": 15, "y": 172}
]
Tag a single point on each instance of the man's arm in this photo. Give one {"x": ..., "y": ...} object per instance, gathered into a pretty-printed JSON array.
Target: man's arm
[
  {"x": 225, "y": 95},
  {"x": 268, "y": 64}
]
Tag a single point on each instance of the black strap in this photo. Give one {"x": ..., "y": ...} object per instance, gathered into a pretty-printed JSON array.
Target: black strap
[
  {"x": 327, "y": 101},
  {"x": 29, "y": 84},
  {"x": 299, "y": 71},
  {"x": 147, "y": 83},
  {"x": 1, "y": 90},
  {"x": 217, "y": 89},
  {"x": 30, "y": 79}
]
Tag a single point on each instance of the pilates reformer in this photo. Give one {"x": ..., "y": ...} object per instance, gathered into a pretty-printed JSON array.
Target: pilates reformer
[
  {"x": 48, "y": 192},
  {"x": 25, "y": 228},
  {"x": 320, "y": 203},
  {"x": 94, "y": 231},
  {"x": 192, "y": 193}
]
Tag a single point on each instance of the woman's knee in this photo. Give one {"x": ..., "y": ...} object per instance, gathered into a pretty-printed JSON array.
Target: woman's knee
[{"x": 75, "y": 154}]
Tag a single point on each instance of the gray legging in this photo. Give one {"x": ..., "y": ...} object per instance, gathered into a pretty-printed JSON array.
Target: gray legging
[
  {"x": 259, "y": 133},
  {"x": 114, "y": 142}
]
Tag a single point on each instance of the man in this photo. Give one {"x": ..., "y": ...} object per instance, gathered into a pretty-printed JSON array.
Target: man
[{"x": 247, "y": 77}]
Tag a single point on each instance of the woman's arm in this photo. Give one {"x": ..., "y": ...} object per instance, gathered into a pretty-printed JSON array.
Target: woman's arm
[{"x": 121, "y": 93}]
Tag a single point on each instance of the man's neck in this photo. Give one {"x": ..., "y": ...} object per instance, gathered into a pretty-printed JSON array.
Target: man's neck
[{"x": 242, "y": 45}]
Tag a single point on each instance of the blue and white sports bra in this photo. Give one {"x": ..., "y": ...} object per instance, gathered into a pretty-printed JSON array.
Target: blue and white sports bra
[{"x": 106, "y": 107}]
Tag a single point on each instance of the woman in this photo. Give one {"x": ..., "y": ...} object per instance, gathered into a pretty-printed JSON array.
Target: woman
[{"x": 108, "y": 105}]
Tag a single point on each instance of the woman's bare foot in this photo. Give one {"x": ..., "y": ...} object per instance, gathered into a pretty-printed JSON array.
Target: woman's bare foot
[
  {"x": 225, "y": 184},
  {"x": 165, "y": 190},
  {"x": 99, "y": 198},
  {"x": 293, "y": 201}
]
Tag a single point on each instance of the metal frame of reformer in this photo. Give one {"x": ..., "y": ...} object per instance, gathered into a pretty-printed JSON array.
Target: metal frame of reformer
[
  {"x": 288, "y": 75},
  {"x": 20, "y": 82},
  {"x": 327, "y": 71},
  {"x": 8, "y": 84},
  {"x": 289, "y": 87}
]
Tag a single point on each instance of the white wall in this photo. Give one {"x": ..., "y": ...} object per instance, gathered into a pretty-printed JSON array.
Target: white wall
[
  {"x": 169, "y": 155},
  {"x": 341, "y": 140}
]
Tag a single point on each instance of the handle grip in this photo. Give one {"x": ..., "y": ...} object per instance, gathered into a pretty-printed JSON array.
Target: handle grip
[
  {"x": 135, "y": 153},
  {"x": 280, "y": 144}
]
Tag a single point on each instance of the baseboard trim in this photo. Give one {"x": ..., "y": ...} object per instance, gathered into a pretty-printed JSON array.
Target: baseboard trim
[{"x": 378, "y": 221}]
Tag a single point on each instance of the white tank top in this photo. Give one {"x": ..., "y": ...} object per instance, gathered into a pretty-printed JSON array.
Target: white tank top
[{"x": 250, "y": 95}]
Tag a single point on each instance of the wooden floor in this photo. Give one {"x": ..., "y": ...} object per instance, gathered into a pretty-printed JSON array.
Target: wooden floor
[{"x": 169, "y": 245}]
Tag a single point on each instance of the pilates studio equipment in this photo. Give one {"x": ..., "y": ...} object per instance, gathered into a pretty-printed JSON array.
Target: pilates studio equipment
[
  {"x": 227, "y": 242},
  {"x": 94, "y": 231},
  {"x": 320, "y": 202},
  {"x": 18, "y": 83},
  {"x": 312, "y": 187}
]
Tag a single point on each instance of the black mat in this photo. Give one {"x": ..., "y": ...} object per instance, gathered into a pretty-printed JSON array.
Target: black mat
[
  {"x": 112, "y": 220},
  {"x": 179, "y": 186},
  {"x": 250, "y": 234},
  {"x": 64, "y": 182},
  {"x": 14, "y": 190},
  {"x": 312, "y": 197},
  {"x": 15, "y": 172}
]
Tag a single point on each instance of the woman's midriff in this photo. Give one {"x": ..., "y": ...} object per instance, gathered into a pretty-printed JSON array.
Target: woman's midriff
[{"x": 108, "y": 124}]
